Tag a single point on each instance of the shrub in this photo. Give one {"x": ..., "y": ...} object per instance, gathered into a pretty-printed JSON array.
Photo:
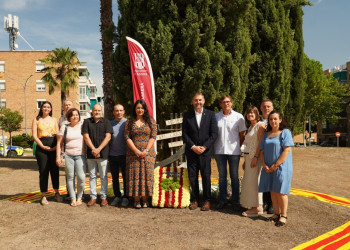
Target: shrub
[{"x": 23, "y": 141}]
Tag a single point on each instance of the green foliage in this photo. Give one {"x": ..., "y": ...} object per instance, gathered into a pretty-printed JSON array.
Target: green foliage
[
  {"x": 188, "y": 49},
  {"x": 10, "y": 121},
  {"x": 23, "y": 141},
  {"x": 62, "y": 73},
  {"x": 170, "y": 184},
  {"x": 324, "y": 96}
]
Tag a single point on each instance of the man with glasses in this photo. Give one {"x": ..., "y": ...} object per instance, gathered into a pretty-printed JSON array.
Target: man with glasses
[{"x": 227, "y": 148}]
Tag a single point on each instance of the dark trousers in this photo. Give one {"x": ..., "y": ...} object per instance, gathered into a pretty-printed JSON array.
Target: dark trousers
[
  {"x": 267, "y": 198},
  {"x": 47, "y": 164},
  {"x": 116, "y": 163},
  {"x": 194, "y": 165}
]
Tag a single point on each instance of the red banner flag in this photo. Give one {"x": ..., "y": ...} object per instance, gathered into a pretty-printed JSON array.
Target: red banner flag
[{"x": 142, "y": 76}]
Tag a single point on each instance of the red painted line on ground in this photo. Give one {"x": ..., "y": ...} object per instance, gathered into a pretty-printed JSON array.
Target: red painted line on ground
[{"x": 329, "y": 239}]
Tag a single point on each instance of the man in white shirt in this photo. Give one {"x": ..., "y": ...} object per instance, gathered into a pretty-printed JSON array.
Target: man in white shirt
[{"x": 227, "y": 148}]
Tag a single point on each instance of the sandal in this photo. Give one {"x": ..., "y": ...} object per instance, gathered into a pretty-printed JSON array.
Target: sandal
[
  {"x": 73, "y": 203},
  {"x": 79, "y": 202},
  {"x": 137, "y": 204},
  {"x": 44, "y": 201},
  {"x": 273, "y": 218},
  {"x": 145, "y": 204},
  {"x": 281, "y": 223}
]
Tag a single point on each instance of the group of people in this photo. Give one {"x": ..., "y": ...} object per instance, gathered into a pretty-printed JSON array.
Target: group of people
[
  {"x": 90, "y": 144},
  {"x": 128, "y": 146},
  {"x": 266, "y": 147}
]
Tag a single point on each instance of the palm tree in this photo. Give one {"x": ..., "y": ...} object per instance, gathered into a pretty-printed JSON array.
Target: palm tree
[
  {"x": 106, "y": 15},
  {"x": 62, "y": 72}
]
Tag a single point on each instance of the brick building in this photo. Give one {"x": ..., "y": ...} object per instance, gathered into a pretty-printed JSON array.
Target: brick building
[
  {"x": 326, "y": 131},
  {"x": 17, "y": 67}
]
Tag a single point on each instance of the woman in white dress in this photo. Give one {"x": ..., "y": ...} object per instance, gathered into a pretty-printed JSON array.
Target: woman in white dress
[{"x": 250, "y": 197}]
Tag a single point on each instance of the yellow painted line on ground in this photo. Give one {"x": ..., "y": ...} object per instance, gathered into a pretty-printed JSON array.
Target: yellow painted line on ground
[{"x": 338, "y": 238}]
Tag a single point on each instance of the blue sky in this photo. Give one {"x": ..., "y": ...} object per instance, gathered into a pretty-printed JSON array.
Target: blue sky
[{"x": 48, "y": 24}]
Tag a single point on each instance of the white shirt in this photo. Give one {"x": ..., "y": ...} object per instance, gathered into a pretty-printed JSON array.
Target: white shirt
[
  {"x": 229, "y": 126},
  {"x": 199, "y": 117}
]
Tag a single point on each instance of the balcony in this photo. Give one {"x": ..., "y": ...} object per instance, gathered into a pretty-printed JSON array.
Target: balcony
[{"x": 82, "y": 79}]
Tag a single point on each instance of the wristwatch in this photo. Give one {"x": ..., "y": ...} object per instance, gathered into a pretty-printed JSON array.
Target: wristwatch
[{"x": 147, "y": 150}]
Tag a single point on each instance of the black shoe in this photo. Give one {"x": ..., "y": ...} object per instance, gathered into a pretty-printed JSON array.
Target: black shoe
[
  {"x": 270, "y": 210},
  {"x": 265, "y": 207},
  {"x": 237, "y": 208},
  {"x": 281, "y": 223},
  {"x": 221, "y": 205},
  {"x": 273, "y": 218}
]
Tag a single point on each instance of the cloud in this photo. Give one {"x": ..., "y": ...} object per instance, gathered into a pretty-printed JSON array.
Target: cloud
[
  {"x": 18, "y": 5},
  {"x": 318, "y": 2}
]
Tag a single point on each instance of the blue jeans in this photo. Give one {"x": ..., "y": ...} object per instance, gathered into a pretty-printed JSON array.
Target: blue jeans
[
  {"x": 101, "y": 165},
  {"x": 233, "y": 162},
  {"x": 77, "y": 164}
]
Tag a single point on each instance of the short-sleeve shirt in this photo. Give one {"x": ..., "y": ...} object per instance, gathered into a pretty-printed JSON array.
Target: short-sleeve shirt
[
  {"x": 74, "y": 140},
  {"x": 117, "y": 145},
  {"x": 228, "y": 141},
  {"x": 97, "y": 133}
]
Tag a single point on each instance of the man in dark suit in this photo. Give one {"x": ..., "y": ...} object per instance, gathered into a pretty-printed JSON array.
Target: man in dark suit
[{"x": 199, "y": 132}]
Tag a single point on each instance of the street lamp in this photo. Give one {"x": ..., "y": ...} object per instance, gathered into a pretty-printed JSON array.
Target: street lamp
[{"x": 25, "y": 98}]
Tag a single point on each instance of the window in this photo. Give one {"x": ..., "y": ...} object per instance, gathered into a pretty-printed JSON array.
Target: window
[
  {"x": 82, "y": 92},
  {"x": 2, "y": 66},
  {"x": 39, "y": 102},
  {"x": 3, "y": 103},
  {"x": 2, "y": 85},
  {"x": 83, "y": 107},
  {"x": 39, "y": 66},
  {"x": 40, "y": 85}
]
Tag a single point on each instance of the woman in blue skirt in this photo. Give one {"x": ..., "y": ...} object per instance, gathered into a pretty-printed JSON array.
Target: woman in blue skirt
[{"x": 276, "y": 158}]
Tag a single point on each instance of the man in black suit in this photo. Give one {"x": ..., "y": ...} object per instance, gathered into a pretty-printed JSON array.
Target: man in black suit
[{"x": 199, "y": 132}]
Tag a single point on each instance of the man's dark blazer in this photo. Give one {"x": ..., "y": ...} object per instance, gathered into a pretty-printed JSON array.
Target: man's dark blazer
[{"x": 203, "y": 136}]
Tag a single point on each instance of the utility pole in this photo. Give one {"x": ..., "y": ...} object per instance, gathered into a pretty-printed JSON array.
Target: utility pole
[{"x": 25, "y": 98}]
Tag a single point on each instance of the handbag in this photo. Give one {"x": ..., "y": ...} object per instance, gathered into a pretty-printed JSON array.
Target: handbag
[{"x": 63, "y": 160}]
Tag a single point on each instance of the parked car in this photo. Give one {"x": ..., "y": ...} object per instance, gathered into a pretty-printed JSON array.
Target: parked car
[{"x": 13, "y": 151}]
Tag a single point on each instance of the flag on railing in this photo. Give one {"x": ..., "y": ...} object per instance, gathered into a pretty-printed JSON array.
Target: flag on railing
[{"x": 142, "y": 75}]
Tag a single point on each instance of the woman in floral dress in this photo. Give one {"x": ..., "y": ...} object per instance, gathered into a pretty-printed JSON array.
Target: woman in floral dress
[{"x": 140, "y": 134}]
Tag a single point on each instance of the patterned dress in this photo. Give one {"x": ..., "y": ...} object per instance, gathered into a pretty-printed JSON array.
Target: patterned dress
[{"x": 139, "y": 172}]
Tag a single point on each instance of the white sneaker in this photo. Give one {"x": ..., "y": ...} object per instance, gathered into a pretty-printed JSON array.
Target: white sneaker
[
  {"x": 115, "y": 201},
  {"x": 125, "y": 202}
]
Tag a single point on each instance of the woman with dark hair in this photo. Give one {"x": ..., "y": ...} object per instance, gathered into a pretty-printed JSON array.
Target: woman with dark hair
[
  {"x": 250, "y": 196},
  {"x": 45, "y": 128},
  {"x": 70, "y": 142},
  {"x": 140, "y": 134},
  {"x": 276, "y": 158}
]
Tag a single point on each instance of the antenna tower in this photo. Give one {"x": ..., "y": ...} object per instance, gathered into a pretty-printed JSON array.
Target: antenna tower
[{"x": 11, "y": 25}]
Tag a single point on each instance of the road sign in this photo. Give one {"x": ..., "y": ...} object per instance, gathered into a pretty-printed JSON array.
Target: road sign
[
  {"x": 337, "y": 134},
  {"x": 169, "y": 135},
  {"x": 173, "y": 121}
]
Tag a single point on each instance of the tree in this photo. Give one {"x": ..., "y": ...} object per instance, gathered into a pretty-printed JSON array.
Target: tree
[
  {"x": 107, "y": 27},
  {"x": 10, "y": 121},
  {"x": 324, "y": 96},
  {"x": 187, "y": 49},
  {"x": 62, "y": 72}
]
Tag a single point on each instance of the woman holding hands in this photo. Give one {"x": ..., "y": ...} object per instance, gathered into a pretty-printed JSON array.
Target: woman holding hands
[
  {"x": 140, "y": 134},
  {"x": 276, "y": 158},
  {"x": 45, "y": 128},
  {"x": 70, "y": 142}
]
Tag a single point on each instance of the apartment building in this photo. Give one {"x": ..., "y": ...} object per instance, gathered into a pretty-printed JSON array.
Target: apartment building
[{"x": 22, "y": 88}]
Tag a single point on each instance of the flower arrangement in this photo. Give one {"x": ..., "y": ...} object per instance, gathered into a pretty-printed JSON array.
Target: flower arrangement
[{"x": 171, "y": 187}]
